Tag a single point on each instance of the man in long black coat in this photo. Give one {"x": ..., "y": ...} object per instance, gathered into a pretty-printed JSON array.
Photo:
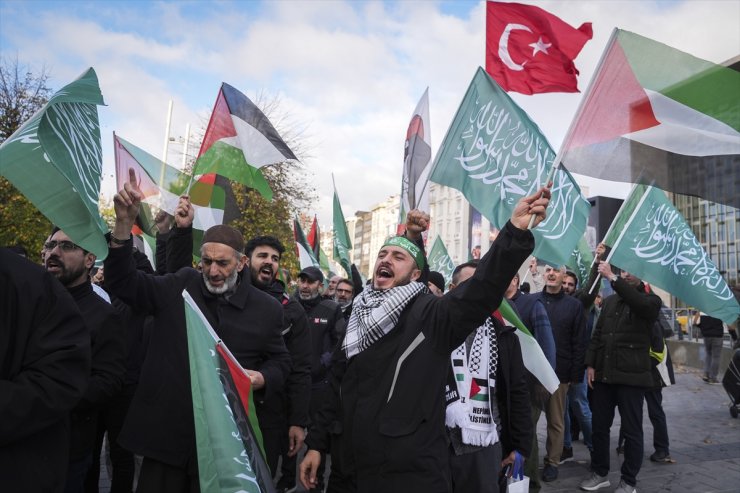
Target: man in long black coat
[
  {"x": 398, "y": 344},
  {"x": 160, "y": 423}
]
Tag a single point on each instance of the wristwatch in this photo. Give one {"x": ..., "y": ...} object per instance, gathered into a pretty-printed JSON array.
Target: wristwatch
[{"x": 118, "y": 241}]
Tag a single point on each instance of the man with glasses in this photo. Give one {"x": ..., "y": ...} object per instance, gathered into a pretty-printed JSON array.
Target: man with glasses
[{"x": 71, "y": 265}]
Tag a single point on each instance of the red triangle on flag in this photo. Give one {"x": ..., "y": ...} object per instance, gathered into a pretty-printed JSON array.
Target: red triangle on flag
[
  {"x": 220, "y": 126},
  {"x": 474, "y": 388}
]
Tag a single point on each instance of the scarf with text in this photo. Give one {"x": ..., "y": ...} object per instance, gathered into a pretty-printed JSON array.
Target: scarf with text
[{"x": 468, "y": 397}]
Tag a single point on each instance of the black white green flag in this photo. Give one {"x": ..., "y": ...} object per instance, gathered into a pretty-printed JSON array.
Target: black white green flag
[
  {"x": 651, "y": 239},
  {"x": 417, "y": 155},
  {"x": 55, "y": 159},
  {"x": 495, "y": 155}
]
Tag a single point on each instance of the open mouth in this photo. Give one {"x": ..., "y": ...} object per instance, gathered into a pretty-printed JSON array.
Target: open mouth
[
  {"x": 384, "y": 272},
  {"x": 53, "y": 265}
]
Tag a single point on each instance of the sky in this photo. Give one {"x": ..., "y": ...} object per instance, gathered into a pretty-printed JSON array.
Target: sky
[{"x": 346, "y": 74}]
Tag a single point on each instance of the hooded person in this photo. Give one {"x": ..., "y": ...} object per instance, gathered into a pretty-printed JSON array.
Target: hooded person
[
  {"x": 390, "y": 394},
  {"x": 160, "y": 423}
]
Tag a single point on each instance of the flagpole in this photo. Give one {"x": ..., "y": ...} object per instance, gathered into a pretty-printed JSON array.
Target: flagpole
[
  {"x": 581, "y": 104},
  {"x": 624, "y": 229}
]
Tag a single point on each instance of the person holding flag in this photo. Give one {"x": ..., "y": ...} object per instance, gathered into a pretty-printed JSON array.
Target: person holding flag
[
  {"x": 398, "y": 344},
  {"x": 619, "y": 372},
  {"x": 161, "y": 422}
]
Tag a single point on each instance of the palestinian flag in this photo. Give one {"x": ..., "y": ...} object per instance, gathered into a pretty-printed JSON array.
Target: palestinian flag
[
  {"x": 655, "y": 114},
  {"x": 303, "y": 248},
  {"x": 534, "y": 359},
  {"x": 162, "y": 186},
  {"x": 227, "y": 436},
  {"x": 417, "y": 156},
  {"x": 239, "y": 140},
  {"x": 55, "y": 160}
]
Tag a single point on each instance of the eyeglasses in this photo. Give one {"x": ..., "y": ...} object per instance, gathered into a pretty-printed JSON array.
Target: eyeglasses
[
  {"x": 344, "y": 291},
  {"x": 64, "y": 245}
]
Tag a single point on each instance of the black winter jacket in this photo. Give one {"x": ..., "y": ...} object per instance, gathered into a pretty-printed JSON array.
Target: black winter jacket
[
  {"x": 568, "y": 324},
  {"x": 392, "y": 404},
  {"x": 325, "y": 320},
  {"x": 619, "y": 350},
  {"x": 160, "y": 420},
  {"x": 44, "y": 370}
]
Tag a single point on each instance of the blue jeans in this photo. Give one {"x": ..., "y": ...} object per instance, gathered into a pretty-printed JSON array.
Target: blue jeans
[{"x": 578, "y": 402}]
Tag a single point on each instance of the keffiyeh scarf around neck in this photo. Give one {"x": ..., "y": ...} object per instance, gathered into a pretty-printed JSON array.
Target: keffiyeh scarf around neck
[
  {"x": 375, "y": 313},
  {"x": 471, "y": 409}
]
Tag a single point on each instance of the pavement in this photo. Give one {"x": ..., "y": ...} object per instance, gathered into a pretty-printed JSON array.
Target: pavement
[
  {"x": 704, "y": 438},
  {"x": 704, "y": 443}
]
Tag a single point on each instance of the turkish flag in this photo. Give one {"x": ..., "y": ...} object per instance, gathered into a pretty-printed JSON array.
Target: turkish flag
[{"x": 529, "y": 50}]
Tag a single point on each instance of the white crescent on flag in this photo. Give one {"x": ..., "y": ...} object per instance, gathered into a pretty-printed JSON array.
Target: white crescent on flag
[{"x": 503, "y": 46}]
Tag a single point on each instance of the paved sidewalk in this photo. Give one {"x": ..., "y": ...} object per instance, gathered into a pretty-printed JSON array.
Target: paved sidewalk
[{"x": 705, "y": 443}]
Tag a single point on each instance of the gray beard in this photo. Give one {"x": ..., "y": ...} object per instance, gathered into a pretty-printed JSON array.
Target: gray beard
[{"x": 228, "y": 286}]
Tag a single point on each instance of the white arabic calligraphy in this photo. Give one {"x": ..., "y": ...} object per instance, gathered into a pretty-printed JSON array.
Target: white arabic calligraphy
[{"x": 666, "y": 239}]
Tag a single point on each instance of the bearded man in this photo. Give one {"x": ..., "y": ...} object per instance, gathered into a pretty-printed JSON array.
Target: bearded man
[
  {"x": 398, "y": 344},
  {"x": 160, "y": 424}
]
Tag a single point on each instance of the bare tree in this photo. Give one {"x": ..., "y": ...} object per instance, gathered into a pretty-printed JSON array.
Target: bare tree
[{"x": 22, "y": 93}]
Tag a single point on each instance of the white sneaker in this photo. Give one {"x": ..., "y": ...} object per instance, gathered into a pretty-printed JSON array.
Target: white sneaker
[
  {"x": 625, "y": 488},
  {"x": 595, "y": 482}
]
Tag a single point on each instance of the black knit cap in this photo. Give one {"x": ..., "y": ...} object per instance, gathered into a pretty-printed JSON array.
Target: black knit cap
[
  {"x": 226, "y": 235},
  {"x": 437, "y": 279}
]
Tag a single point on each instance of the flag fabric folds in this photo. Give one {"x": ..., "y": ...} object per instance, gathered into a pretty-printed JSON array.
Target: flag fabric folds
[
  {"x": 655, "y": 114},
  {"x": 439, "y": 260},
  {"x": 495, "y": 155},
  {"x": 342, "y": 242},
  {"x": 532, "y": 355},
  {"x": 529, "y": 50},
  {"x": 227, "y": 436},
  {"x": 580, "y": 261},
  {"x": 652, "y": 240},
  {"x": 162, "y": 186},
  {"x": 306, "y": 257},
  {"x": 239, "y": 140},
  {"x": 55, "y": 160},
  {"x": 417, "y": 155}
]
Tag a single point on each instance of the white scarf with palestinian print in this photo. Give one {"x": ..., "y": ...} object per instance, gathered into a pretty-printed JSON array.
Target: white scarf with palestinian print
[{"x": 475, "y": 375}]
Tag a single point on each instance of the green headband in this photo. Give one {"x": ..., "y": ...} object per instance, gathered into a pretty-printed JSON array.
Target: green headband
[{"x": 402, "y": 242}]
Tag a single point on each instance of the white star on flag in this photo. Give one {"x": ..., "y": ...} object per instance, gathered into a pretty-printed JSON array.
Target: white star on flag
[{"x": 540, "y": 46}]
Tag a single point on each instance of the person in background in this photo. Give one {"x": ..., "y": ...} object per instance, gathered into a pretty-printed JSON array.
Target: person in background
[
  {"x": 436, "y": 283},
  {"x": 713, "y": 331}
]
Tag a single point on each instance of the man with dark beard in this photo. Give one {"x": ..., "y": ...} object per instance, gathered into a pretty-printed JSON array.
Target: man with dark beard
[
  {"x": 71, "y": 265},
  {"x": 160, "y": 423},
  {"x": 283, "y": 418},
  {"x": 398, "y": 344}
]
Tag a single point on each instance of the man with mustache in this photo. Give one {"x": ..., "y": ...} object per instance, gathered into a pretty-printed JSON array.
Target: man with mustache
[
  {"x": 71, "y": 265},
  {"x": 284, "y": 418},
  {"x": 160, "y": 424},
  {"x": 390, "y": 397}
]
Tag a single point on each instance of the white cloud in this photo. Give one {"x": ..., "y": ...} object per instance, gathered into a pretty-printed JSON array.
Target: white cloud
[{"x": 350, "y": 72}]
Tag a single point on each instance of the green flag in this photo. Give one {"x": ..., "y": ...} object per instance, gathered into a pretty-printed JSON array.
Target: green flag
[
  {"x": 651, "y": 239},
  {"x": 532, "y": 355},
  {"x": 342, "y": 243},
  {"x": 55, "y": 159},
  {"x": 495, "y": 155},
  {"x": 580, "y": 261},
  {"x": 439, "y": 260},
  {"x": 227, "y": 437}
]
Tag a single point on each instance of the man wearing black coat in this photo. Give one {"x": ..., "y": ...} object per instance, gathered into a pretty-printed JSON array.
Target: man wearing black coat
[
  {"x": 160, "y": 424},
  {"x": 283, "y": 419},
  {"x": 44, "y": 370},
  {"x": 71, "y": 265},
  {"x": 398, "y": 344},
  {"x": 620, "y": 371}
]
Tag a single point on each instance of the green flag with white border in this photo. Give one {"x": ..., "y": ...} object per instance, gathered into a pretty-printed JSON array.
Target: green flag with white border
[{"x": 439, "y": 260}]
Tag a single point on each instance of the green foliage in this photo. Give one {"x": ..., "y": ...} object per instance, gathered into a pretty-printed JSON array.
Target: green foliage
[
  {"x": 22, "y": 93},
  {"x": 262, "y": 217}
]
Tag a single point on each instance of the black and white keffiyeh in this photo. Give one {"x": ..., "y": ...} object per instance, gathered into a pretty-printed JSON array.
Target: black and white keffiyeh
[
  {"x": 471, "y": 408},
  {"x": 375, "y": 313}
]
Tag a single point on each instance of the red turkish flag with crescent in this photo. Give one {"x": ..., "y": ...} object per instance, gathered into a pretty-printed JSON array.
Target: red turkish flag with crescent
[{"x": 529, "y": 50}]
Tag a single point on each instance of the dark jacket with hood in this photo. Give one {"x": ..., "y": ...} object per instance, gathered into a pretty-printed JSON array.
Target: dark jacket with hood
[
  {"x": 325, "y": 319},
  {"x": 392, "y": 403},
  {"x": 568, "y": 324},
  {"x": 619, "y": 350}
]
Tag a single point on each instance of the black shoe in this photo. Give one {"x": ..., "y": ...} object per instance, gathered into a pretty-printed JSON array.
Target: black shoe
[
  {"x": 567, "y": 455},
  {"x": 549, "y": 473},
  {"x": 661, "y": 457}
]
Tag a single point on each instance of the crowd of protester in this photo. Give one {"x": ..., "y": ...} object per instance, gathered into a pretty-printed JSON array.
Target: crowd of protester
[{"x": 406, "y": 383}]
